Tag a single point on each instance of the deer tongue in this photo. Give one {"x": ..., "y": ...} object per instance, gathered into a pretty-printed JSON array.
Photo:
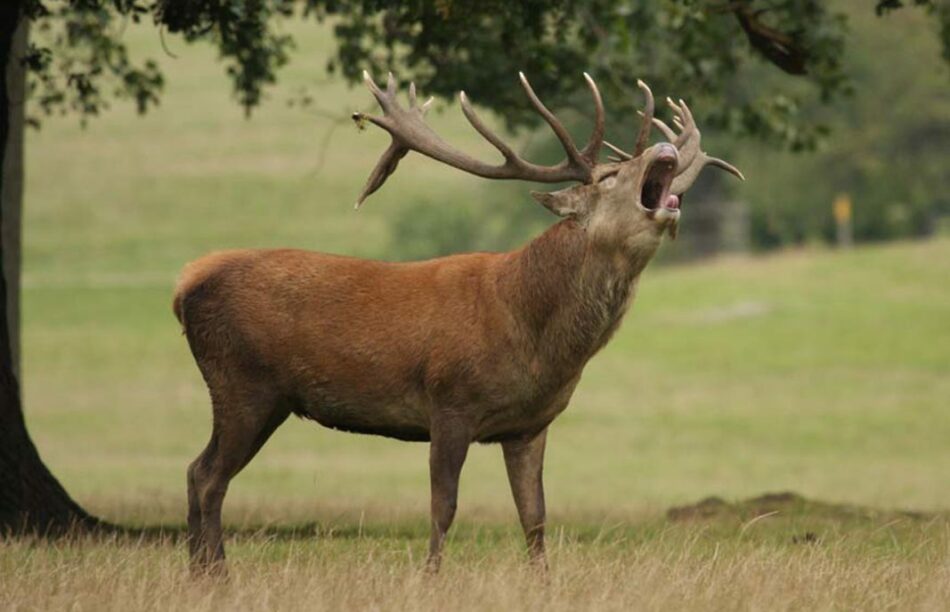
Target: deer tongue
[{"x": 673, "y": 203}]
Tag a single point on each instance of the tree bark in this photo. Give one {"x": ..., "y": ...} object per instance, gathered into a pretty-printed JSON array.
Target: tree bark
[
  {"x": 11, "y": 195},
  {"x": 31, "y": 499}
]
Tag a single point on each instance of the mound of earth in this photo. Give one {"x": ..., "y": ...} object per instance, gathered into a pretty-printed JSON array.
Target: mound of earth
[{"x": 785, "y": 503}]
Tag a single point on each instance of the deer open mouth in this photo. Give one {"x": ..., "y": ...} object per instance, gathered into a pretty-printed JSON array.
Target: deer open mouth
[{"x": 655, "y": 193}]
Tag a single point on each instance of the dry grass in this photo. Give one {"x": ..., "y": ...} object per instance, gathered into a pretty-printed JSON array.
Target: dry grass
[
  {"x": 777, "y": 554},
  {"x": 679, "y": 568}
]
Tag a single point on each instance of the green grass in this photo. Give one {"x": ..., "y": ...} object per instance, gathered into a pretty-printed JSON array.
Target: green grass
[{"x": 822, "y": 372}]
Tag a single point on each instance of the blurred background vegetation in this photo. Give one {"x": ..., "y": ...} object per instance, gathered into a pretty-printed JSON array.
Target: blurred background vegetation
[
  {"x": 889, "y": 145},
  {"x": 885, "y": 144},
  {"x": 814, "y": 100}
]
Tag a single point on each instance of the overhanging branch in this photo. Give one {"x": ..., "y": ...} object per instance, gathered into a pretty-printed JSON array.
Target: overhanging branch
[{"x": 776, "y": 46}]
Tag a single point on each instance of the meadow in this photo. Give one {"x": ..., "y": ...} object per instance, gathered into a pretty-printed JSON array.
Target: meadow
[{"x": 825, "y": 373}]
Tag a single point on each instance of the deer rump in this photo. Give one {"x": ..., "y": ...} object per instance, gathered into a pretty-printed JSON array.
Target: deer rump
[{"x": 364, "y": 346}]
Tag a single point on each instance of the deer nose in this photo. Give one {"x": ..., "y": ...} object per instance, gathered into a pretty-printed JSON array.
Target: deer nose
[{"x": 666, "y": 153}]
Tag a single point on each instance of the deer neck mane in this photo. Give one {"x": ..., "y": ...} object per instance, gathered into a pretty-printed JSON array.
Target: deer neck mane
[{"x": 569, "y": 293}]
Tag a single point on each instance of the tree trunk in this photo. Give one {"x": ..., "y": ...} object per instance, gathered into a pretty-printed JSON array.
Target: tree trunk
[
  {"x": 11, "y": 195},
  {"x": 31, "y": 499}
]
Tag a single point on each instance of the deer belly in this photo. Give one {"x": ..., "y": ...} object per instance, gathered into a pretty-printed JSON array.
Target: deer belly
[{"x": 393, "y": 419}]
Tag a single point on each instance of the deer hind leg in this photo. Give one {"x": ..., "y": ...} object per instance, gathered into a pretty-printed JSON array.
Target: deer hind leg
[
  {"x": 195, "y": 543},
  {"x": 242, "y": 424},
  {"x": 447, "y": 452},
  {"x": 524, "y": 461}
]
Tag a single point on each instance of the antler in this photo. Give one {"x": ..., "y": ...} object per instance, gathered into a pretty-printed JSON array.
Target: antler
[
  {"x": 409, "y": 132},
  {"x": 691, "y": 158},
  {"x": 643, "y": 136}
]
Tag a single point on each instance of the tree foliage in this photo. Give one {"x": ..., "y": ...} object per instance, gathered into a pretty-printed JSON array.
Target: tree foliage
[
  {"x": 693, "y": 48},
  {"x": 889, "y": 151}
]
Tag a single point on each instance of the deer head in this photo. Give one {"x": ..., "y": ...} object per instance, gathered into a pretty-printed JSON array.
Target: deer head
[{"x": 628, "y": 197}]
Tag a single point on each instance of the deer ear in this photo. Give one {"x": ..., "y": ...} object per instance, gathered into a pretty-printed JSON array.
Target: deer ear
[{"x": 569, "y": 202}]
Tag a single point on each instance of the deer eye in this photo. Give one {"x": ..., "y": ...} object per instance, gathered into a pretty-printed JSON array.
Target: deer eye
[{"x": 609, "y": 181}]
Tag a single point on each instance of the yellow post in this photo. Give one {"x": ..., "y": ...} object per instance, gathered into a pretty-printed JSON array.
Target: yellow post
[{"x": 842, "y": 210}]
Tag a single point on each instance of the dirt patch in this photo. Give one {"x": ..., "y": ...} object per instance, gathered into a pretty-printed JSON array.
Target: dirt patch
[
  {"x": 784, "y": 503},
  {"x": 706, "y": 508}
]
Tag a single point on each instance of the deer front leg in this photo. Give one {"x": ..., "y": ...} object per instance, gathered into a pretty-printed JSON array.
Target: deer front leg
[
  {"x": 524, "y": 460},
  {"x": 450, "y": 441}
]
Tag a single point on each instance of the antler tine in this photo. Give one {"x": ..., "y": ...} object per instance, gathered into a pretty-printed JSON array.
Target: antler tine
[
  {"x": 688, "y": 141},
  {"x": 621, "y": 154},
  {"x": 724, "y": 165},
  {"x": 482, "y": 129},
  {"x": 673, "y": 105},
  {"x": 376, "y": 91},
  {"x": 668, "y": 133},
  {"x": 685, "y": 179},
  {"x": 384, "y": 167},
  {"x": 592, "y": 149},
  {"x": 644, "y": 136},
  {"x": 413, "y": 100},
  {"x": 574, "y": 156}
]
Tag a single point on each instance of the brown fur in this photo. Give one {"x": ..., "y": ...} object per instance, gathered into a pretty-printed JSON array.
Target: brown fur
[{"x": 483, "y": 347}]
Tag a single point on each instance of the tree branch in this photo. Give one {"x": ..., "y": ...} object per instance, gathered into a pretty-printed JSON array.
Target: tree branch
[{"x": 777, "y": 47}]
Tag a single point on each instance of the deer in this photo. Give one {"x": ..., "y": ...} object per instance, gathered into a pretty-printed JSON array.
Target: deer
[{"x": 473, "y": 347}]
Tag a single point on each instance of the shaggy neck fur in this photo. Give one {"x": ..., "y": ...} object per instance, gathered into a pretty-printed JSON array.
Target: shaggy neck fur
[{"x": 570, "y": 292}]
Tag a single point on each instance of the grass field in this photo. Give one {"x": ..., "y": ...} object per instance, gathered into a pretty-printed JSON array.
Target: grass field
[{"x": 824, "y": 373}]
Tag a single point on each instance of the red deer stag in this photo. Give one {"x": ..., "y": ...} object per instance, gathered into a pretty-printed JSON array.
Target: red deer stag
[{"x": 478, "y": 347}]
